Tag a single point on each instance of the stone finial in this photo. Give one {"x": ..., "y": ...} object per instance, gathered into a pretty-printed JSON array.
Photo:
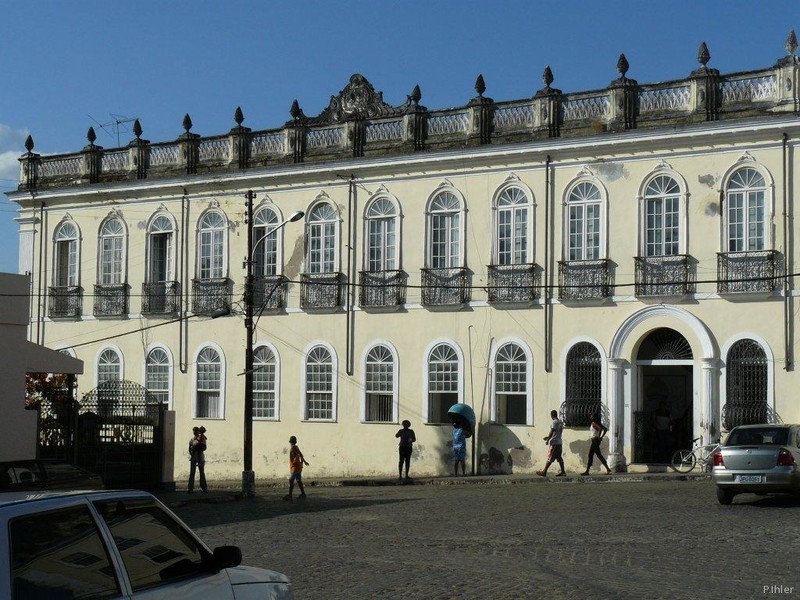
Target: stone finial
[
  {"x": 480, "y": 85},
  {"x": 238, "y": 116},
  {"x": 703, "y": 55},
  {"x": 622, "y": 65},
  {"x": 416, "y": 95},
  {"x": 296, "y": 111},
  {"x": 91, "y": 136},
  {"x": 187, "y": 122},
  {"x": 547, "y": 76},
  {"x": 29, "y": 144},
  {"x": 137, "y": 129},
  {"x": 791, "y": 43}
]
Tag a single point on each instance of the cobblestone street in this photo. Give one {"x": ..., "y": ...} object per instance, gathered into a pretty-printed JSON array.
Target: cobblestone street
[{"x": 527, "y": 540}]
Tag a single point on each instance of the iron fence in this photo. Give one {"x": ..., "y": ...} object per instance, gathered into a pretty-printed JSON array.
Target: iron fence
[
  {"x": 321, "y": 290},
  {"x": 512, "y": 283},
  {"x": 583, "y": 279},
  {"x": 662, "y": 275},
  {"x": 65, "y": 302},
  {"x": 269, "y": 292},
  {"x": 445, "y": 287},
  {"x": 382, "y": 288},
  {"x": 160, "y": 298},
  {"x": 747, "y": 271},
  {"x": 210, "y": 295}
]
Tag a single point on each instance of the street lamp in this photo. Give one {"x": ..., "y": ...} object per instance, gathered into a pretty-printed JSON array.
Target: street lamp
[{"x": 248, "y": 475}]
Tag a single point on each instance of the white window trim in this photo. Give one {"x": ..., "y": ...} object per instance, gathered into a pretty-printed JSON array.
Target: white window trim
[
  {"x": 96, "y": 363},
  {"x": 173, "y": 249},
  {"x": 531, "y": 205},
  {"x": 225, "y": 244},
  {"x": 222, "y": 380},
  {"x": 528, "y": 380},
  {"x": 123, "y": 275},
  {"x": 462, "y": 227},
  {"x": 337, "y": 259},
  {"x": 603, "y": 215},
  {"x": 277, "y": 356},
  {"x": 395, "y": 381},
  {"x": 170, "y": 370},
  {"x": 683, "y": 204},
  {"x": 334, "y": 383},
  {"x": 426, "y": 379},
  {"x": 723, "y": 379},
  {"x": 78, "y": 245},
  {"x": 769, "y": 201},
  {"x": 398, "y": 218},
  {"x": 279, "y": 233}
]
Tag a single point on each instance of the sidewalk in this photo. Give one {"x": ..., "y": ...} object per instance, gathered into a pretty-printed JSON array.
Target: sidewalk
[{"x": 229, "y": 491}]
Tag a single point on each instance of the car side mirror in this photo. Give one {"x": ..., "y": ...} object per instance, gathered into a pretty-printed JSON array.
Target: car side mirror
[{"x": 227, "y": 556}]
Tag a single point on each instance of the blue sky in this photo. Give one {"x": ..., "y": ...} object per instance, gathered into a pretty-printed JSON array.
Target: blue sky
[{"x": 66, "y": 66}]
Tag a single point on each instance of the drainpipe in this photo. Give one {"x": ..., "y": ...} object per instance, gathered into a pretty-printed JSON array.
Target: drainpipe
[
  {"x": 472, "y": 395},
  {"x": 350, "y": 290},
  {"x": 39, "y": 339},
  {"x": 788, "y": 317},
  {"x": 182, "y": 256},
  {"x": 546, "y": 272}
]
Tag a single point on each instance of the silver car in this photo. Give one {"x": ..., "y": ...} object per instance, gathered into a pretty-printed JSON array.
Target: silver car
[
  {"x": 120, "y": 544},
  {"x": 758, "y": 459}
]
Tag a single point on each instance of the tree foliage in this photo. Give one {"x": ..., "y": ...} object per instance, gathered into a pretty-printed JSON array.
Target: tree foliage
[{"x": 45, "y": 386}]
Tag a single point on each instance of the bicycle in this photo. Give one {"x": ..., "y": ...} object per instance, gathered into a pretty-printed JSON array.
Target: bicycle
[{"x": 684, "y": 461}]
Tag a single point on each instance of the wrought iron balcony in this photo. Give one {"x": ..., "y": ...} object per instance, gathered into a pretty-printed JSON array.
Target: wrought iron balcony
[
  {"x": 160, "y": 298},
  {"x": 445, "y": 287},
  {"x": 583, "y": 279},
  {"x": 210, "y": 295},
  {"x": 111, "y": 300},
  {"x": 663, "y": 275},
  {"x": 578, "y": 413},
  {"x": 269, "y": 292},
  {"x": 747, "y": 271},
  {"x": 512, "y": 283},
  {"x": 747, "y": 413},
  {"x": 65, "y": 302},
  {"x": 321, "y": 290},
  {"x": 382, "y": 288}
]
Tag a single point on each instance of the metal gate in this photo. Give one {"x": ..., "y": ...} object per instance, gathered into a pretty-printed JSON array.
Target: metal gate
[{"x": 116, "y": 431}]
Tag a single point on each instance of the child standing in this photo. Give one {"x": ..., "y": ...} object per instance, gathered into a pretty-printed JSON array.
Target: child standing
[{"x": 296, "y": 462}]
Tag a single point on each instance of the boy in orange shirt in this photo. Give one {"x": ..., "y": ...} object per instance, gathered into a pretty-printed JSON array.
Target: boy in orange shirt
[{"x": 296, "y": 462}]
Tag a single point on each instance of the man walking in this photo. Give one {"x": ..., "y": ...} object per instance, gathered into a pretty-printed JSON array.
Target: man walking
[
  {"x": 554, "y": 445},
  {"x": 296, "y": 462}
]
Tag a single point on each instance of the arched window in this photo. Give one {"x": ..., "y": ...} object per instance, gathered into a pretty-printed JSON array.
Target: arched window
[
  {"x": 746, "y": 385},
  {"x": 208, "y": 384},
  {"x": 211, "y": 246},
  {"x": 511, "y": 385},
  {"x": 584, "y": 222},
  {"x": 322, "y": 239},
  {"x": 265, "y": 253},
  {"x": 443, "y": 382},
  {"x": 112, "y": 244},
  {"x": 662, "y": 212},
  {"x": 157, "y": 375},
  {"x": 66, "y": 256},
  {"x": 109, "y": 366},
  {"x": 160, "y": 250},
  {"x": 264, "y": 384},
  {"x": 319, "y": 385},
  {"x": 584, "y": 385},
  {"x": 746, "y": 201},
  {"x": 513, "y": 223},
  {"x": 445, "y": 232},
  {"x": 381, "y": 228},
  {"x": 379, "y": 390}
]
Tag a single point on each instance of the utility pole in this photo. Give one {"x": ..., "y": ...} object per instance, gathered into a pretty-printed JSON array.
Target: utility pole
[{"x": 248, "y": 475}]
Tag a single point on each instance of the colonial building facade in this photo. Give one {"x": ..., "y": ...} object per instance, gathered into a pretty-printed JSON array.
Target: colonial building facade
[{"x": 629, "y": 251}]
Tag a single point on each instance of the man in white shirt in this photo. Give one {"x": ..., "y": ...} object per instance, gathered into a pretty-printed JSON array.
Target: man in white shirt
[{"x": 554, "y": 445}]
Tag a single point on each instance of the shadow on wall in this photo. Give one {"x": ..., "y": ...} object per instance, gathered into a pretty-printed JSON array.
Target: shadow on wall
[
  {"x": 501, "y": 451},
  {"x": 580, "y": 448}
]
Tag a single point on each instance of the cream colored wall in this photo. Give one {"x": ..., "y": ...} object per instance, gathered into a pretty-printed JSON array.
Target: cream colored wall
[{"x": 349, "y": 447}]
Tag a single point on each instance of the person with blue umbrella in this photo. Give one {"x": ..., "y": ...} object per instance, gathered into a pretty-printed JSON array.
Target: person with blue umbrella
[{"x": 463, "y": 419}]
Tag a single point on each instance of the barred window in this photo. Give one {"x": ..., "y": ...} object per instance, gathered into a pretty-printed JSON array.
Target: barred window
[
  {"x": 443, "y": 382},
  {"x": 511, "y": 385},
  {"x": 584, "y": 389},
  {"x": 209, "y": 384},
  {"x": 513, "y": 210},
  {"x": 746, "y": 385},
  {"x": 319, "y": 385},
  {"x": 662, "y": 217},
  {"x": 66, "y": 256},
  {"x": 112, "y": 238},
  {"x": 211, "y": 246},
  {"x": 379, "y": 385},
  {"x": 265, "y": 255},
  {"x": 264, "y": 388},
  {"x": 444, "y": 228},
  {"x": 322, "y": 242},
  {"x": 746, "y": 211},
  {"x": 157, "y": 374},
  {"x": 584, "y": 206},
  {"x": 381, "y": 235}
]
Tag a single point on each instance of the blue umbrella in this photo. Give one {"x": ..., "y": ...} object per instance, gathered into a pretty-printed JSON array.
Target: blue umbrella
[{"x": 462, "y": 416}]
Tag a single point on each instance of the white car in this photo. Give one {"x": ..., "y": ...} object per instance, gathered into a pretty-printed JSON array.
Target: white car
[{"x": 117, "y": 544}]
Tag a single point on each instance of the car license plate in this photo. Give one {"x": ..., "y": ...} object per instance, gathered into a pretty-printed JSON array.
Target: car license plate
[{"x": 749, "y": 478}]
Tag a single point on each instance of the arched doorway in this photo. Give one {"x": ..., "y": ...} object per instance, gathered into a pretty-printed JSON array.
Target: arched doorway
[{"x": 663, "y": 417}]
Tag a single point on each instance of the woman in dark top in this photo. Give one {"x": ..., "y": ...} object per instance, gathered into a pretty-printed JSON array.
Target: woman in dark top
[{"x": 407, "y": 439}]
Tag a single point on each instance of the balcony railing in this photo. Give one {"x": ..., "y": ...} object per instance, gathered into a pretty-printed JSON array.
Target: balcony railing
[
  {"x": 269, "y": 292},
  {"x": 445, "y": 287},
  {"x": 662, "y": 275},
  {"x": 748, "y": 413},
  {"x": 111, "y": 300},
  {"x": 160, "y": 298},
  {"x": 739, "y": 272},
  {"x": 512, "y": 283},
  {"x": 578, "y": 413},
  {"x": 382, "y": 288},
  {"x": 210, "y": 295},
  {"x": 65, "y": 302},
  {"x": 583, "y": 279},
  {"x": 320, "y": 290}
]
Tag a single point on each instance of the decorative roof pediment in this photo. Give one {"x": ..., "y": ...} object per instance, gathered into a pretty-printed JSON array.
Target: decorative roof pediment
[{"x": 358, "y": 99}]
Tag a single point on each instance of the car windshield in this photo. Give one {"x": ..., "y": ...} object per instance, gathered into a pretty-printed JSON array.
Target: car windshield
[{"x": 758, "y": 436}]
